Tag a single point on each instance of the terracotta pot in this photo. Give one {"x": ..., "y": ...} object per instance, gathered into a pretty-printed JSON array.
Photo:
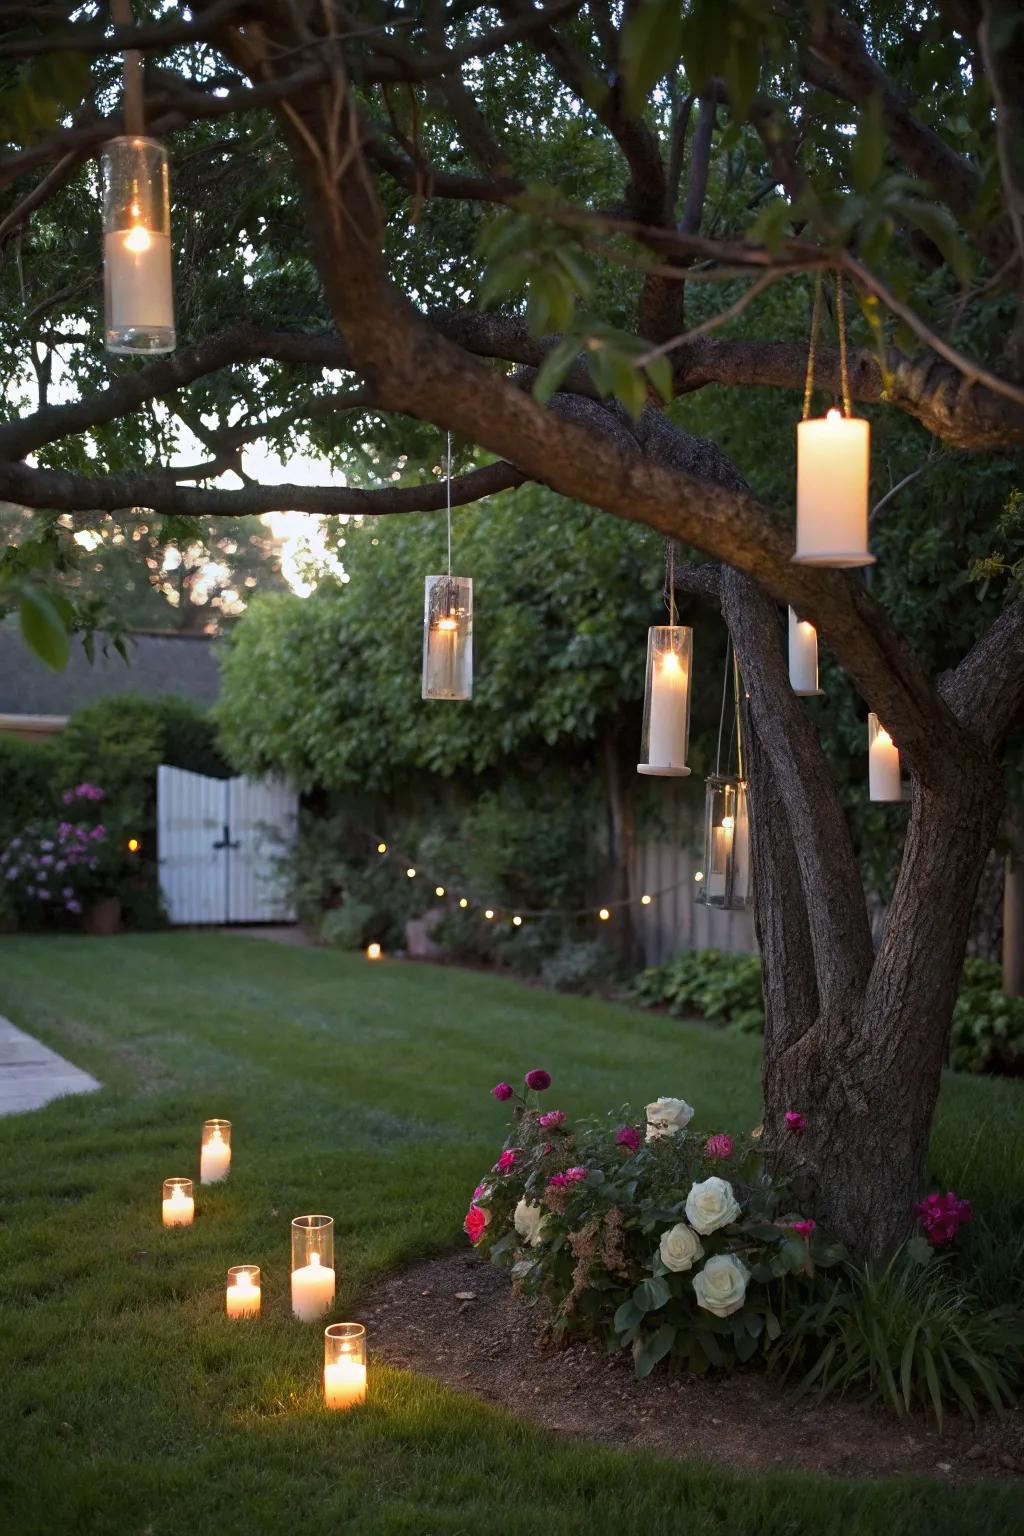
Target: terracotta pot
[{"x": 103, "y": 918}]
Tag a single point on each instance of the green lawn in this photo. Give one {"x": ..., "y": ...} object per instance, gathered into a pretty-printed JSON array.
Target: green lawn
[{"x": 130, "y": 1406}]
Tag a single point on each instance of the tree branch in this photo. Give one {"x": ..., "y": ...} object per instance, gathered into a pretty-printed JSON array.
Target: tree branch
[{"x": 986, "y": 691}]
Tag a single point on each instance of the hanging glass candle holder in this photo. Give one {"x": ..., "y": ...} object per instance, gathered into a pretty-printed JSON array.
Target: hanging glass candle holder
[
  {"x": 803, "y": 657},
  {"x": 667, "y": 701},
  {"x": 138, "y": 294},
  {"x": 448, "y": 637},
  {"x": 883, "y": 763},
  {"x": 726, "y": 881},
  {"x": 832, "y": 460}
]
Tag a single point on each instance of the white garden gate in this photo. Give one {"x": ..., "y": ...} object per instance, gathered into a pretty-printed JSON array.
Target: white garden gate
[{"x": 217, "y": 842}]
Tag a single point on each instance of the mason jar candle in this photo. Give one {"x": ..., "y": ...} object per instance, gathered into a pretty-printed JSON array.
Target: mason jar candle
[
  {"x": 179, "y": 1207},
  {"x": 312, "y": 1266},
  {"x": 344, "y": 1365},
  {"x": 242, "y": 1296},
  {"x": 215, "y": 1151}
]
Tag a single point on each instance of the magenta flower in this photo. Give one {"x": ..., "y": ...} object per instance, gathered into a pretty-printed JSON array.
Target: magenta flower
[
  {"x": 480, "y": 1190},
  {"x": 942, "y": 1216},
  {"x": 558, "y": 1180},
  {"x": 628, "y": 1136},
  {"x": 795, "y": 1122},
  {"x": 553, "y": 1117},
  {"x": 538, "y": 1079},
  {"x": 475, "y": 1224},
  {"x": 507, "y": 1161},
  {"x": 574, "y": 1175},
  {"x": 804, "y": 1228},
  {"x": 502, "y": 1091},
  {"x": 718, "y": 1146}
]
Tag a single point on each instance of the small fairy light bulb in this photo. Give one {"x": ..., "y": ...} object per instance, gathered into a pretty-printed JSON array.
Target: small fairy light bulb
[
  {"x": 489, "y": 913},
  {"x": 382, "y": 847},
  {"x": 645, "y": 900},
  {"x": 438, "y": 890},
  {"x": 604, "y": 914},
  {"x": 517, "y": 921},
  {"x": 463, "y": 902},
  {"x": 411, "y": 873},
  {"x": 699, "y": 876}
]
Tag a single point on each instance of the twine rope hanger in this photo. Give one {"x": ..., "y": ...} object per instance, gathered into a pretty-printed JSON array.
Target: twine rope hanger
[{"x": 812, "y": 349}]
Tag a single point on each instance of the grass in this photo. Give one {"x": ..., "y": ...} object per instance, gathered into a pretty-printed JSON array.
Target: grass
[{"x": 132, "y": 1407}]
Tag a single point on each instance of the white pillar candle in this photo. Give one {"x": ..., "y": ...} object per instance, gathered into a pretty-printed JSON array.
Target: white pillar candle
[
  {"x": 344, "y": 1383},
  {"x": 832, "y": 466},
  {"x": 243, "y": 1293},
  {"x": 137, "y": 263},
  {"x": 666, "y": 737},
  {"x": 312, "y": 1290},
  {"x": 179, "y": 1209},
  {"x": 721, "y": 849},
  {"x": 883, "y": 763},
  {"x": 803, "y": 656},
  {"x": 442, "y": 652},
  {"x": 214, "y": 1159}
]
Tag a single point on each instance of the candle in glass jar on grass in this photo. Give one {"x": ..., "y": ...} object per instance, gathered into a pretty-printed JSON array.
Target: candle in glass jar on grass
[
  {"x": 179, "y": 1206},
  {"x": 215, "y": 1151},
  {"x": 243, "y": 1291},
  {"x": 312, "y": 1266},
  {"x": 344, "y": 1365}
]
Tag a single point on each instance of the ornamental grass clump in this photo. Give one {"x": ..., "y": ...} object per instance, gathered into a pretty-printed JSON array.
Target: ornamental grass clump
[{"x": 661, "y": 1240}]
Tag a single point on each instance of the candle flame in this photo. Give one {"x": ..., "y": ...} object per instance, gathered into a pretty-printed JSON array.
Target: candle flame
[
  {"x": 670, "y": 662},
  {"x": 448, "y": 624},
  {"x": 884, "y": 737},
  {"x": 833, "y": 415},
  {"x": 728, "y": 822},
  {"x": 314, "y": 1260},
  {"x": 137, "y": 239},
  {"x": 807, "y": 628}
]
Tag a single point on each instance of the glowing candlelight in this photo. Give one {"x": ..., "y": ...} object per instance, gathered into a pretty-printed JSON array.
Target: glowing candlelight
[
  {"x": 243, "y": 1291},
  {"x": 344, "y": 1365},
  {"x": 883, "y": 763},
  {"x": 832, "y": 469},
  {"x": 215, "y": 1151},
  {"x": 312, "y": 1266},
  {"x": 178, "y": 1206}
]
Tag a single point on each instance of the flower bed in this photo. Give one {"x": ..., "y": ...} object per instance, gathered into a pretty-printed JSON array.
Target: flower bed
[{"x": 667, "y": 1241}]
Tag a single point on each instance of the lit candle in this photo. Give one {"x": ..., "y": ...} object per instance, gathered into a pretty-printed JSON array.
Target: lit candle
[
  {"x": 667, "y": 729},
  {"x": 832, "y": 467},
  {"x": 374, "y": 951},
  {"x": 803, "y": 656},
  {"x": 179, "y": 1206},
  {"x": 344, "y": 1365},
  {"x": 243, "y": 1291},
  {"x": 312, "y": 1289},
  {"x": 721, "y": 848},
  {"x": 883, "y": 763},
  {"x": 138, "y": 274},
  {"x": 215, "y": 1151}
]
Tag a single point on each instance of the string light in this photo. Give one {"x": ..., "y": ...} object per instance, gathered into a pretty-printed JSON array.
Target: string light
[
  {"x": 699, "y": 876},
  {"x": 382, "y": 847},
  {"x": 134, "y": 845},
  {"x": 489, "y": 913},
  {"x": 463, "y": 902},
  {"x": 645, "y": 900},
  {"x": 604, "y": 914},
  {"x": 438, "y": 890},
  {"x": 411, "y": 873},
  {"x": 517, "y": 921}
]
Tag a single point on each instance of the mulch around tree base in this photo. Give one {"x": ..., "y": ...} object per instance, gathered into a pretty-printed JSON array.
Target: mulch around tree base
[{"x": 455, "y": 1319}]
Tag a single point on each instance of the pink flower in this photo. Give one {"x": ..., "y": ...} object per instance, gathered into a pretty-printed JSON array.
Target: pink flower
[
  {"x": 718, "y": 1146},
  {"x": 574, "y": 1175},
  {"x": 507, "y": 1161},
  {"x": 628, "y": 1136},
  {"x": 942, "y": 1216},
  {"x": 553, "y": 1117},
  {"x": 558, "y": 1180},
  {"x": 475, "y": 1223},
  {"x": 795, "y": 1122},
  {"x": 502, "y": 1091},
  {"x": 804, "y": 1228},
  {"x": 538, "y": 1079},
  {"x": 480, "y": 1190}
]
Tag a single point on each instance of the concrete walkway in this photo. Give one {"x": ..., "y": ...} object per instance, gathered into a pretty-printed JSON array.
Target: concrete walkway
[{"x": 31, "y": 1074}]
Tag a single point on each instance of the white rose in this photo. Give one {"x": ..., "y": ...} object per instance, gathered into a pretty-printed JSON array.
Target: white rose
[
  {"x": 711, "y": 1205},
  {"x": 529, "y": 1222},
  {"x": 667, "y": 1117},
  {"x": 721, "y": 1285},
  {"x": 680, "y": 1247}
]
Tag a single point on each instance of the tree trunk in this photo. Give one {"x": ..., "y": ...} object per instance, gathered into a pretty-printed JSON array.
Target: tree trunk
[{"x": 1013, "y": 917}]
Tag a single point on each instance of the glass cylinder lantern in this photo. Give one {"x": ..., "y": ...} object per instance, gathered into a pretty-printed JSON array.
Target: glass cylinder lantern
[
  {"x": 215, "y": 1151},
  {"x": 179, "y": 1206},
  {"x": 243, "y": 1291},
  {"x": 883, "y": 763},
  {"x": 312, "y": 1266},
  {"x": 448, "y": 637},
  {"x": 726, "y": 881},
  {"x": 832, "y": 462},
  {"x": 344, "y": 1365},
  {"x": 803, "y": 657},
  {"x": 139, "y": 299},
  {"x": 667, "y": 701}
]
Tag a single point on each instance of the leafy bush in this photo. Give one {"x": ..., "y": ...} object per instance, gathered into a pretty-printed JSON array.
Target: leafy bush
[
  {"x": 909, "y": 1336},
  {"x": 722, "y": 988},
  {"x": 679, "y": 1246},
  {"x": 343, "y": 890},
  {"x": 351, "y": 926},
  {"x": 27, "y": 782},
  {"x": 988, "y": 1027},
  {"x": 53, "y": 869},
  {"x": 578, "y": 967}
]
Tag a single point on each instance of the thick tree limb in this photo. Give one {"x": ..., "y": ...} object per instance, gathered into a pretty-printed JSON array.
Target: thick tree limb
[
  {"x": 1002, "y": 44},
  {"x": 986, "y": 691}
]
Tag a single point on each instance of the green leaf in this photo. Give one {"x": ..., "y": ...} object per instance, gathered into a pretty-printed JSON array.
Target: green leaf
[
  {"x": 920, "y": 1250},
  {"x": 651, "y": 1294},
  {"x": 650, "y": 45},
  {"x": 867, "y": 153},
  {"x": 44, "y": 628},
  {"x": 554, "y": 368},
  {"x": 659, "y": 371},
  {"x": 655, "y": 1348},
  {"x": 626, "y": 1317}
]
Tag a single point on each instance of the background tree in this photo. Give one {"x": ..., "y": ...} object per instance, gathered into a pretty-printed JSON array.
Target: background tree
[{"x": 337, "y": 167}]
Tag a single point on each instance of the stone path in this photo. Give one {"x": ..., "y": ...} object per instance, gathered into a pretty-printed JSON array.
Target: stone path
[{"x": 31, "y": 1074}]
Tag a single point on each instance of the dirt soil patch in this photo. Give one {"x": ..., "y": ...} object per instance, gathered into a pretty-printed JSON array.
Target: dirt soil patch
[{"x": 455, "y": 1319}]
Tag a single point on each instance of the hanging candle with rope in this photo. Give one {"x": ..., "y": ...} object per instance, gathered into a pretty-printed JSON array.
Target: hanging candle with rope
[
  {"x": 726, "y": 879},
  {"x": 666, "y": 728},
  {"x": 832, "y": 467},
  {"x": 448, "y": 624},
  {"x": 803, "y": 656},
  {"x": 138, "y": 294}
]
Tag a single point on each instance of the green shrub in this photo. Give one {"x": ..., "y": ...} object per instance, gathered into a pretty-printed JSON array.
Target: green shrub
[
  {"x": 722, "y": 988},
  {"x": 581, "y": 967},
  {"x": 908, "y": 1335},
  {"x": 349, "y": 927},
  {"x": 27, "y": 783},
  {"x": 988, "y": 1027}
]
